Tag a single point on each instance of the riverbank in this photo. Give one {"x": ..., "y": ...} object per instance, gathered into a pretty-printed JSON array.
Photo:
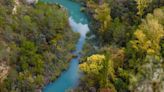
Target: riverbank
[{"x": 41, "y": 44}]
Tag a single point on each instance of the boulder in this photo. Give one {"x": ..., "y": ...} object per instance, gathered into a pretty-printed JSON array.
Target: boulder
[{"x": 31, "y": 1}]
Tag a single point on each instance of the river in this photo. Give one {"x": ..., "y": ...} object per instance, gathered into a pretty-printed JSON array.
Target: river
[{"x": 79, "y": 23}]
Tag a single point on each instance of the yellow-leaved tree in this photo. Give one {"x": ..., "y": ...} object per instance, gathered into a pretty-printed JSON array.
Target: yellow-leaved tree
[
  {"x": 101, "y": 69},
  {"x": 93, "y": 64},
  {"x": 149, "y": 34},
  {"x": 146, "y": 48},
  {"x": 141, "y": 5},
  {"x": 102, "y": 14}
]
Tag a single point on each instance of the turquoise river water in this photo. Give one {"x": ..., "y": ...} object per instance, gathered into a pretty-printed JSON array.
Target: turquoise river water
[{"x": 79, "y": 23}]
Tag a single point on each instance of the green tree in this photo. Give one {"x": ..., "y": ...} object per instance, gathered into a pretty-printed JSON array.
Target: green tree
[
  {"x": 29, "y": 57},
  {"x": 107, "y": 72},
  {"x": 119, "y": 32}
]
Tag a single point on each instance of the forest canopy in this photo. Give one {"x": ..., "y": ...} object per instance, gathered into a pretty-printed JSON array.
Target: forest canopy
[
  {"x": 127, "y": 51},
  {"x": 34, "y": 40},
  {"x": 123, "y": 51}
]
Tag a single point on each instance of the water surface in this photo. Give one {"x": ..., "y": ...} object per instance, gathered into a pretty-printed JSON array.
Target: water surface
[{"x": 78, "y": 22}]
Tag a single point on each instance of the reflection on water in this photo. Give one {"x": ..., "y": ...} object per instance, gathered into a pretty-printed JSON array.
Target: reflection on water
[{"x": 78, "y": 22}]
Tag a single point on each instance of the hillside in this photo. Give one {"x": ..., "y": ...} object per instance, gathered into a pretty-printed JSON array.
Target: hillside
[{"x": 33, "y": 41}]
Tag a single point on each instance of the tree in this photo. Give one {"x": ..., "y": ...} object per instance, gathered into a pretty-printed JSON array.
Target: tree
[
  {"x": 162, "y": 47},
  {"x": 119, "y": 32},
  {"x": 107, "y": 72},
  {"x": 29, "y": 57},
  {"x": 159, "y": 15},
  {"x": 93, "y": 64},
  {"x": 141, "y": 5},
  {"x": 148, "y": 36},
  {"x": 101, "y": 68},
  {"x": 102, "y": 14}
]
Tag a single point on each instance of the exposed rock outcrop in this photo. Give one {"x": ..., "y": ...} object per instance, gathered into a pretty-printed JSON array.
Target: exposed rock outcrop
[
  {"x": 31, "y": 1},
  {"x": 4, "y": 69},
  {"x": 18, "y": 2},
  {"x": 16, "y": 5},
  {"x": 153, "y": 80}
]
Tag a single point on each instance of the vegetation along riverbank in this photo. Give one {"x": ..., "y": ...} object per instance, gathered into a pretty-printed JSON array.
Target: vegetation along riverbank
[
  {"x": 33, "y": 43},
  {"x": 124, "y": 49}
]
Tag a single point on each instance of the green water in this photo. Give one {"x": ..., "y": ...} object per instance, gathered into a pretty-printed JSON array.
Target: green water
[{"x": 79, "y": 23}]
